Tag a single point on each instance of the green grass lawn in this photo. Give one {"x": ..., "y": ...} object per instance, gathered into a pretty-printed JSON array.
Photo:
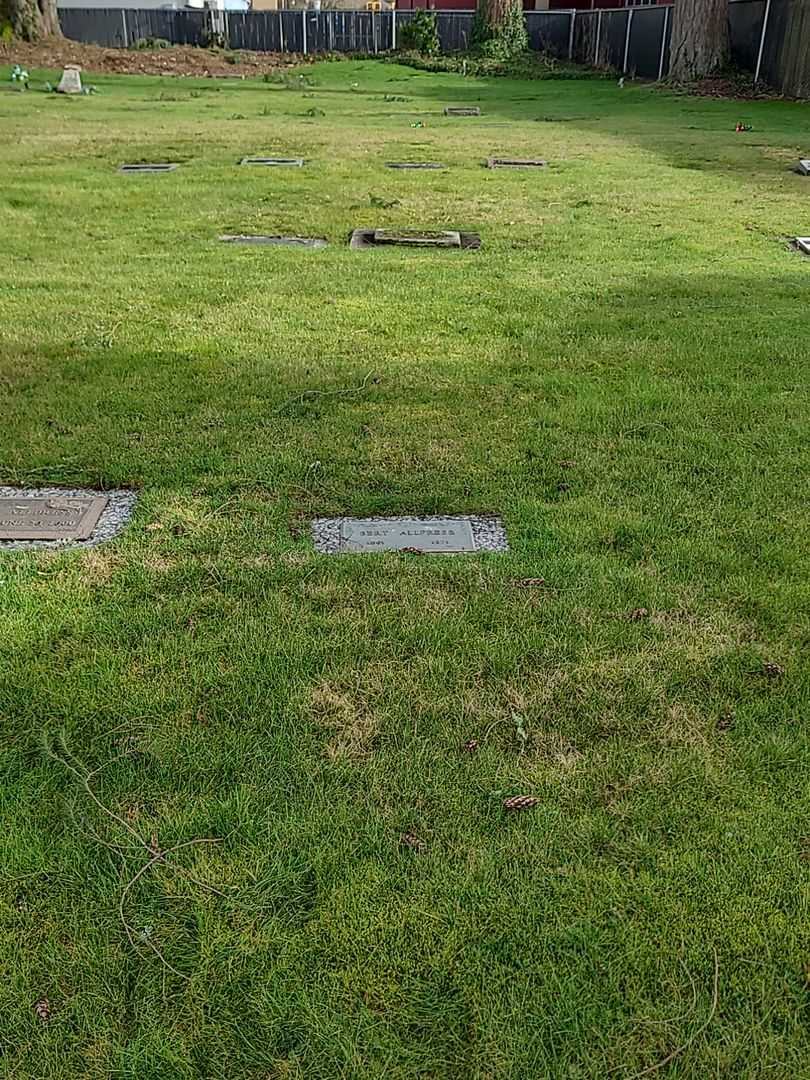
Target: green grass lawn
[{"x": 621, "y": 372}]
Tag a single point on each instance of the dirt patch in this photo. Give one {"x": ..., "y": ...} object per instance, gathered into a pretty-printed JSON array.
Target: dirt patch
[
  {"x": 740, "y": 88},
  {"x": 182, "y": 60}
]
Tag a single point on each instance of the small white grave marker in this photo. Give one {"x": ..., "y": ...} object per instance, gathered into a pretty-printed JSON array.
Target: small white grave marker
[
  {"x": 71, "y": 82},
  {"x": 803, "y": 244},
  {"x": 804, "y": 166}
]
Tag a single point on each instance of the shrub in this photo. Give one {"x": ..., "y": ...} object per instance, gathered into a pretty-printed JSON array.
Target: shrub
[{"x": 420, "y": 35}]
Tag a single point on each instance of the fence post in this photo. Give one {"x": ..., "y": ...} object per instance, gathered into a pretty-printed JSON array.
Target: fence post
[
  {"x": 598, "y": 37},
  {"x": 124, "y": 23},
  {"x": 571, "y": 36},
  {"x": 374, "y": 30},
  {"x": 304, "y": 26},
  {"x": 280, "y": 31},
  {"x": 762, "y": 40},
  {"x": 330, "y": 30},
  {"x": 394, "y": 28},
  {"x": 627, "y": 40},
  {"x": 663, "y": 45}
]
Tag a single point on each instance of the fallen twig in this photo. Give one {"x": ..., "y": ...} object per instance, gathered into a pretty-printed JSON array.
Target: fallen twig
[
  {"x": 685, "y": 1046},
  {"x": 299, "y": 399}
]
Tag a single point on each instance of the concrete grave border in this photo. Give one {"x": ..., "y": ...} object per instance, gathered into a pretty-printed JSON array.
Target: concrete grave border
[
  {"x": 148, "y": 167},
  {"x": 113, "y": 519},
  {"x": 414, "y": 165},
  {"x": 361, "y": 239},
  {"x": 488, "y": 533},
  {"x": 297, "y": 163},
  {"x": 516, "y": 163},
  {"x": 312, "y": 243}
]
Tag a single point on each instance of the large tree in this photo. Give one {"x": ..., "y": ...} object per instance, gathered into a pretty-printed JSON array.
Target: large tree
[
  {"x": 499, "y": 28},
  {"x": 700, "y": 42},
  {"x": 30, "y": 19}
]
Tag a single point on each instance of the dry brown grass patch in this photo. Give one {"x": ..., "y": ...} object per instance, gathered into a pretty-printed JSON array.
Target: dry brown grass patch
[{"x": 347, "y": 717}]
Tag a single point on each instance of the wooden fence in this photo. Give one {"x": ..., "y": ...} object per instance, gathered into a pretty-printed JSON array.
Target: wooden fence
[{"x": 770, "y": 38}]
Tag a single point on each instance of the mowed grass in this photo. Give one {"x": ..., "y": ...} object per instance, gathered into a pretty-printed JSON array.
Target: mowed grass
[{"x": 621, "y": 372}]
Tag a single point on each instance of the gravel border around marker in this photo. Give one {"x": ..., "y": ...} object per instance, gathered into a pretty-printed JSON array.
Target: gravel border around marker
[
  {"x": 489, "y": 533},
  {"x": 113, "y": 520}
]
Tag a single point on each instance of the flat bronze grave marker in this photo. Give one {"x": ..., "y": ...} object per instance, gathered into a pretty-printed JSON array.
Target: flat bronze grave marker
[
  {"x": 149, "y": 167},
  {"x": 437, "y": 535},
  {"x": 414, "y": 165},
  {"x": 296, "y": 163},
  {"x": 53, "y": 518},
  {"x": 471, "y": 110},
  {"x": 515, "y": 163},
  {"x": 804, "y": 166},
  {"x": 803, "y": 244}
]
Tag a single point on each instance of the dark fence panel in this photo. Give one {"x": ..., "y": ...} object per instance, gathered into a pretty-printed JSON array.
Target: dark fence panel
[
  {"x": 454, "y": 30},
  {"x": 745, "y": 21},
  {"x": 786, "y": 56},
  {"x": 189, "y": 27},
  {"x": 614, "y": 32},
  {"x": 644, "y": 54},
  {"x": 598, "y": 38},
  {"x": 549, "y": 31},
  {"x": 586, "y": 27},
  {"x": 95, "y": 26},
  {"x": 259, "y": 30}
]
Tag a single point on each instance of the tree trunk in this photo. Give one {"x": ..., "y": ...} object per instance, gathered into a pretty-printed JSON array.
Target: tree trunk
[
  {"x": 499, "y": 29},
  {"x": 31, "y": 19},
  {"x": 700, "y": 42}
]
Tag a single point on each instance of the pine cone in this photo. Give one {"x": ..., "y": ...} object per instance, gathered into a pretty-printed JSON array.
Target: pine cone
[
  {"x": 43, "y": 1010},
  {"x": 520, "y": 802},
  {"x": 471, "y": 746},
  {"x": 637, "y": 614},
  {"x": 411, "y": 840},
  {"x": 772, "y": 671}
]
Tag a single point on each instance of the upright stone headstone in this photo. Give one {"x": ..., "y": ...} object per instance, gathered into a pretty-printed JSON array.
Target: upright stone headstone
[{"x": 71, "y": 82}]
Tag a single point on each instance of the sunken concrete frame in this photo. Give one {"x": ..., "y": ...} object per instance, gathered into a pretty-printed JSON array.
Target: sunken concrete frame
[
  {"x": 62, "y": 517},
  {"x": 149, "y": 167},
  {"x": 312, "y": 243},
  {"x": 405, "y": 238},
  {"x": 270, "y": 162},
  {"x": 414, "y": 165},
  {"x": 515, "y": 163},
  {"x": 431, "y": 535}
]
